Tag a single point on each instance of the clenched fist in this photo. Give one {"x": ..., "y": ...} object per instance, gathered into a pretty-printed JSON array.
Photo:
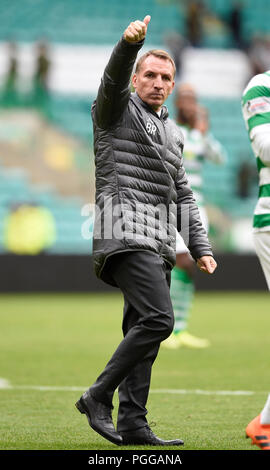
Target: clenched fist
[
  {"x": 207, "y": 264},
  {"x": 136, "y": 31}
]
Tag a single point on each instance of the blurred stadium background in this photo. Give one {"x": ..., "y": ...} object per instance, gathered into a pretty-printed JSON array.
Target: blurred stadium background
[{"x": 52, "y": 55}]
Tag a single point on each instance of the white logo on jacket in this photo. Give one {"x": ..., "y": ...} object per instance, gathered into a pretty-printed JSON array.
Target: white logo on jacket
[{"x": 150, "y": 127}]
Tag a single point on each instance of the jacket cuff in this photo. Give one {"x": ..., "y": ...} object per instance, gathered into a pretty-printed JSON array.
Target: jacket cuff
[
  {"x": 138, "y": 44},
  {"x": 198, "y": 254}
]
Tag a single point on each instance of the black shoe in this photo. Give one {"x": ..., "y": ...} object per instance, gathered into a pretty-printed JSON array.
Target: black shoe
[
  {"x": 99, "y": 417},
  {"x": 145, "y": 436}
]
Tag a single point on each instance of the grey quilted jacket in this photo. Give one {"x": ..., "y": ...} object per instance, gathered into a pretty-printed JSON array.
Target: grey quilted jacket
[{"x": 142, "y": 192}]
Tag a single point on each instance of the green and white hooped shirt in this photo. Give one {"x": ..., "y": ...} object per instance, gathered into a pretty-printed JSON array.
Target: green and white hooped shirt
[{"x": 256, "y": 113}]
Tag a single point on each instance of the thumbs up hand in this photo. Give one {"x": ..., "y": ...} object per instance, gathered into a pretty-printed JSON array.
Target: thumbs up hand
[{"x": 136, "y": 31}]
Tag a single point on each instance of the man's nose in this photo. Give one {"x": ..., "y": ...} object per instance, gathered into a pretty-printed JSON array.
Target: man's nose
[{"x": 158, "y": 82}]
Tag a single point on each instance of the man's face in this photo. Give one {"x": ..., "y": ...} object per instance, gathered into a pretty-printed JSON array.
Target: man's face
[
  {"x": 154, "y": 81},
  {"x": 187, "y": 108}
]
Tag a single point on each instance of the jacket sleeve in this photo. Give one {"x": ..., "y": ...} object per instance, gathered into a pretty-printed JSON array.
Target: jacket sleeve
[
  {"x": 114, "y": 90},
  {"x": 189, "y": 223}
]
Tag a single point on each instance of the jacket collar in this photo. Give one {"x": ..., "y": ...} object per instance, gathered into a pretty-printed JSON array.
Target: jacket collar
[{"x": 164, "y": 110}]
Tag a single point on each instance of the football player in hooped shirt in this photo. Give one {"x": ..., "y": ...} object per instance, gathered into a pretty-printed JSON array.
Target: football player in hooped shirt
[
  {"x": 256, "y": 113},
  {"x": 199, "y": 146}
]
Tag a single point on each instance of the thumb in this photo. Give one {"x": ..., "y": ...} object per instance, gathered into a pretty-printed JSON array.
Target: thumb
[
  {"x": 212, "y": 266},
  {"x": 147, "y": 20},
  {"x": 210, "y": 269}
]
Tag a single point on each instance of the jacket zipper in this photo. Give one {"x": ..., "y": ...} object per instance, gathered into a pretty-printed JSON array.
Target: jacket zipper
[{"x": 167, "y": 171}]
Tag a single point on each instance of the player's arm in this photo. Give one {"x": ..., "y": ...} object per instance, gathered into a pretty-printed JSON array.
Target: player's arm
[
  {"x": 114, "y": 90},
  {"x": 256, "y": 111},
  {"x": 214, "y": 151},
  {"x": 212, "y": 148},
  {"x": 261, "y": 146},
  {"x": 190, "y": 226}
]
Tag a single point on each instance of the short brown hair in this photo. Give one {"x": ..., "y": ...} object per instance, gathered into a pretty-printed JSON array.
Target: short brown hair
[{"x": 156, "y": 53}]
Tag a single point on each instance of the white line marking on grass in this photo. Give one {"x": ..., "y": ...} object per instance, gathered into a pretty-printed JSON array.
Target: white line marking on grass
[
  {"x": 202, "y": 392},
  {"x": 6, "y": 385}
]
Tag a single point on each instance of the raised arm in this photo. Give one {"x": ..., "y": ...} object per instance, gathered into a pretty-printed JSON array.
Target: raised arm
[{"x": 114, "y": 90}]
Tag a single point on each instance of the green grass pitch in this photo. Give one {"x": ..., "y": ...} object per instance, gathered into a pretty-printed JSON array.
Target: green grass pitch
[{"x": 64, "y": 341}]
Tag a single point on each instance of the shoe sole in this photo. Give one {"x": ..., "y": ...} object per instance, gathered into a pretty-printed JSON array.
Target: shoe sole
[
  {"x": 83, "y": 410},
  {"x": 262, "y": 445},
  {"x": 134, "y": 443}
]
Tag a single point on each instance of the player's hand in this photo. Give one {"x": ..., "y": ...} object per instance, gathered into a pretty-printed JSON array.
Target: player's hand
[
  {"x": 136, "y": 31},
  {"x": 206, "y": 264}
]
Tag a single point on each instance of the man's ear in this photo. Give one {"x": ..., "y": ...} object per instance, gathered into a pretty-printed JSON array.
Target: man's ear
[
  {"x": 173, "y": 83},
  {"x": 134, "y": 81}
]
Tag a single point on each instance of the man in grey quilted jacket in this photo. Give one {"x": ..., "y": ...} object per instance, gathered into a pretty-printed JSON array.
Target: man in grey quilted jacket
[{"x": 142, "y": 198}]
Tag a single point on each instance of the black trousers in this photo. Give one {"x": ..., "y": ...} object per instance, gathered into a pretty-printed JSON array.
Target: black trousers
[{"x": 144, "y": 279}]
